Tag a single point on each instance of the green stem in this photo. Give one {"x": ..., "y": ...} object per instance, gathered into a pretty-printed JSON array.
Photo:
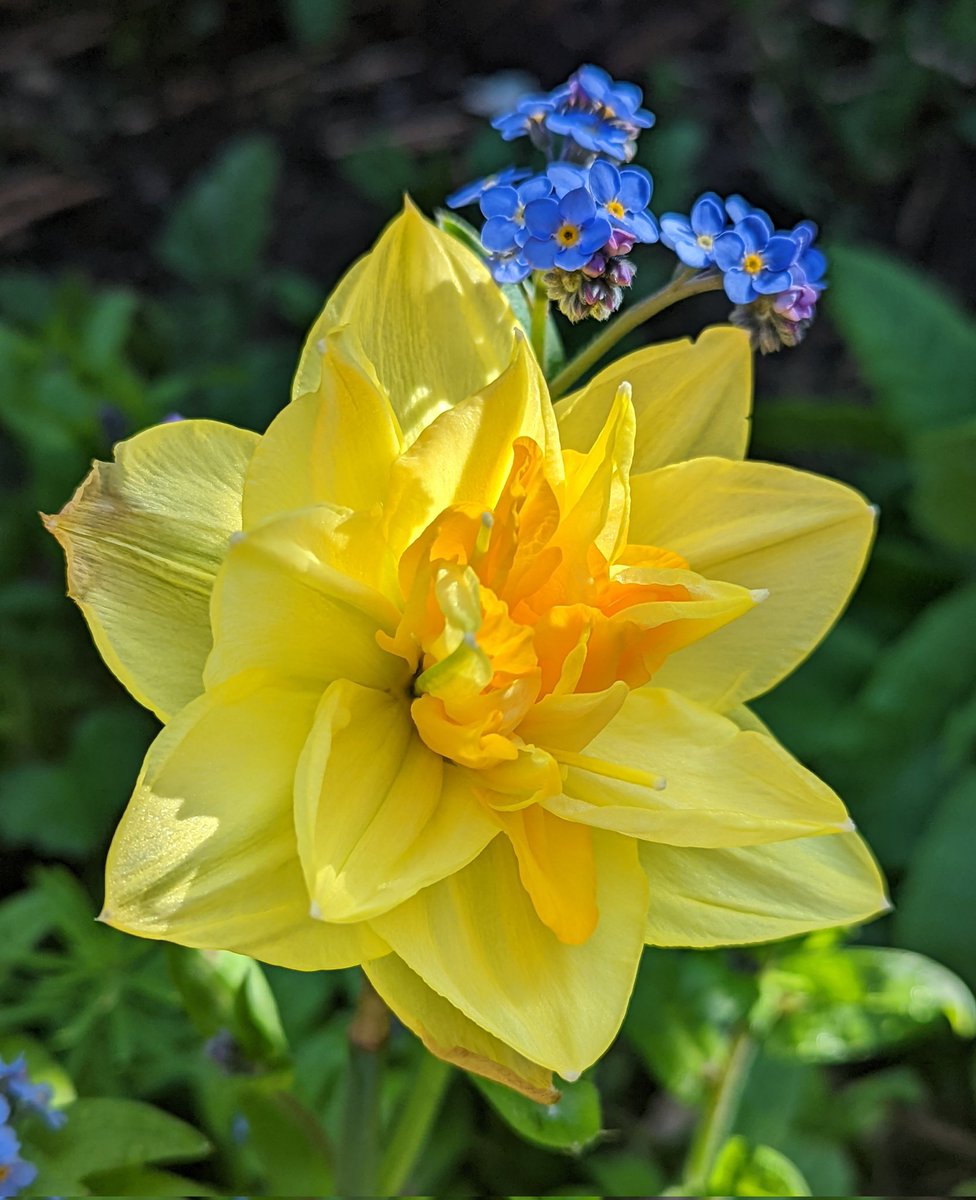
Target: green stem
[
  {"x": 540, "y": 311},
  {"x": 413, "y": 1124},
  {"x": 719, "y": 1116},
  {"x": 357, "y": 1169},
  {"x": 683, "y": 285}
]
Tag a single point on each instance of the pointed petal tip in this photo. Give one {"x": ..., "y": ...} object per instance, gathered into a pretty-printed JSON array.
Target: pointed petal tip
[
  {"x": 315, "y": 911},
  {"x": 759, "y": 594},
  {"x": 569, "y": 1076},
  {"x": 625, "y": 391}
]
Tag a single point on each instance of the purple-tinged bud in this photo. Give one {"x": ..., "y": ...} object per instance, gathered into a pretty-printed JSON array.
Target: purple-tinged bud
[
  {"x": 769, "y": 328},
  {"x": 596, "y": 266},
  {"x": 798, "y": 303},
  {"x": 621, "y": 272},
  {"x": 620, "y": 242}
]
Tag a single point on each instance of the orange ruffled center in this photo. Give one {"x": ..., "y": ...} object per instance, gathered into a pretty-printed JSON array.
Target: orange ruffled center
[{"x": 524, "y": 640}]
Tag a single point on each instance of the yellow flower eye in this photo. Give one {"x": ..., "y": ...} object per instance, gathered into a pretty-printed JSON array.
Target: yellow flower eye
[
  {"x": 752, "y": 264},
  {"x": 568, "y": 235},
  {"x": 615, "y": 208}
]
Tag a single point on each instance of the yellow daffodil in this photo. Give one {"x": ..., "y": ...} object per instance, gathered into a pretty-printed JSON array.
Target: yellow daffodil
[{"x": 453, "y": 679}]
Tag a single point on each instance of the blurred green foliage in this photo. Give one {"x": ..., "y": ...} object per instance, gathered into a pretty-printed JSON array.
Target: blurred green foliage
[{"x": 189, "y": 1074}]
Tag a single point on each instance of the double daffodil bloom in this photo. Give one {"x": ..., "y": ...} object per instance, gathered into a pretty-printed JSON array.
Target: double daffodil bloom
[{"x": 453, "y": 679}]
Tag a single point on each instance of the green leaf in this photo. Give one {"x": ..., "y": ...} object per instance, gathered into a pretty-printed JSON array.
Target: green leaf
[
  {"x": 920, "y": 677},
  {"x": 219, "y": 228},
  {"x": 938, "y": 895},
  {"x": 221, "y": 991},
  {"x": 289, "y": 1144},
  {"x": 943, "y": 503},
  {"x": 625, "y": 1173},
  {"x": 145, "y": 1181},
  {"x": 460, "y": 229},
  {"x": 554, "y": 356},
  {"x": 570, "y": 1124},
  {"x": 915, "y": 346},
  {"x": 742, "y": 1169},
  {"x": 25, "y": 918},
  {"x": 108, "y": 1134},
  {"x": 835, "y": 1005},
  {"x": 803, "y": 426},
  {"x": 681, "y": 1015}
]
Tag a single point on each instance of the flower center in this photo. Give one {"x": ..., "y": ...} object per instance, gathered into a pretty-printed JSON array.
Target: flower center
[
  {"x": 706, "y": 241},
  {"x": 752, "y": 264},
  {"x": 506, "y": 609},
  {"x": 615, "y": 208},
  {"x": 568, "y": 235}
]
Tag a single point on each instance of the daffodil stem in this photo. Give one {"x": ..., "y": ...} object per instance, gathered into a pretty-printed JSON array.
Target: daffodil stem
[
  {"x": 682, "y": 286},
  {"x": 540, "y": 311},
  {"x": 719, "y": 1116},
  {"x": 357, "y": 1169},
  {"x": 413, "y": 1124}
]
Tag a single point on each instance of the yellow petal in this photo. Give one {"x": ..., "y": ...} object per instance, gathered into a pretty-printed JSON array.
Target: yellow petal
[
  {"x": 759, "y": 893},
  {"x": 465, "y": 455},
  {"x": 449, "y": 1034},
  {"x": 429, "y": 317},
  {"x": 284, "y": 602},
  {"x": 334, "y": 445},
  {"x": 569, "y": 721},
  {"x": 378, "y": 815},
  {"x": 802, "y": 537},
  {"x": 691, "y": 399},
  {"x": 557, "y": 869},
  {"x": 596, "y": 502},
  {"x": 666, "y": 770},
  {"x": 205, "y": 854},
  {"x": 476, "y": 940},
  {"x": 144, "y": 536}
]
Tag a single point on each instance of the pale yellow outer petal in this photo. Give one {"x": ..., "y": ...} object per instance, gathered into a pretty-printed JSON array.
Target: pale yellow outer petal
[
  {"x": 287, "y": 601},
  {"x": 691, "y": 399},
  {"x": 465, "y": 455},
  {"x": 144, "y": 536},
  {"x": 759, "y": 893},
  {"x": 429, "y": 317},
  {"x": 378, "y": 815},
  {"x": 334, "y": 445},
  {"x": 475, "y": 939},
  {"x": 802, "y": 537},
  {"x": 667, "y": 770},
  {"x": 596, "y": 501},
  {"x": 448, "y": 1033},
  {"x": 205, "y": 854}
]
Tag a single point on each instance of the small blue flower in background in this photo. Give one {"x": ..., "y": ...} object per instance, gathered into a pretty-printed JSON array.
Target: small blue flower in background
[
  {"x": 565, "y": 233},
  {"x": 738, "y": 208},
  {"x": 472, "y": 192},
  {"x": 27, "y": 1096},
  {"x": 692, "y": 238},
  {"x": 592, "y": 132},
  {"x": 15, "y": 1173},
  {"x": 566, "y": 177},
  {"x": 504, "y": 231},
  {"x": 530, "y": 116},
  {"x": 623, "y": 197},
  {"x": 614, "y": 101},
  {"x": 753, "y": 260}
]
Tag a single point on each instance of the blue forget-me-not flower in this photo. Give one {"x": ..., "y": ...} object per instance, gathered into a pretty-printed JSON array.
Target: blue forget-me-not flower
[
  {"x": 692, "y": 238},
  {"x": 754, "y": 261},
  {"x": 472, "y": 192},
  {"x": 564, "y": 233}
]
